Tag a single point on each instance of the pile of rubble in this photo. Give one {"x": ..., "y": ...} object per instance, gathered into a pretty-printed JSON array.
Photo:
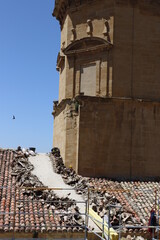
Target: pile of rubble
[
  {"x": 21, "y": 169},
  {"x": 68, "y": 174},
  {"x": 103, "y": 194},
  {"x": 65, "y": 208}
]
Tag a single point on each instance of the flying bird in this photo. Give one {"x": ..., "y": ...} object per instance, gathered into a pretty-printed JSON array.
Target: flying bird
[{"x": 13, "y": 117}]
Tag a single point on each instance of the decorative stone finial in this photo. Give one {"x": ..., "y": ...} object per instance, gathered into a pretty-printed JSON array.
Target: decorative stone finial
[
  {"x": 73, "y": 36},
  {"x": 89, "y": 27},
  {"x": 63, "y": 46},
  {"x": 106, "y": 30}
]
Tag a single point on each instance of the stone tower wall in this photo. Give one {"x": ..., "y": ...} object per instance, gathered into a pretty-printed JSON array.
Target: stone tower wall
[
  {"x": 109, "y": 61},
  {"x": 136, "y": 54},
  {"x": 119, "y": 139}
]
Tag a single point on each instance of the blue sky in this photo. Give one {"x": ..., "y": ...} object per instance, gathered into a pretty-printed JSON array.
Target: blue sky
[{"x": 29, "y": 44}]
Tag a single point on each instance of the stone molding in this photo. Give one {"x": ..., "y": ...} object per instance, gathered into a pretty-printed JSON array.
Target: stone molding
[
  {"x": 81, "y": 99},
  {"x": 60, "y": 62},
  {"x": 62, "y": 6},
  {"x": 58, "y": 108},
  {"x": 86, "y": 45}
]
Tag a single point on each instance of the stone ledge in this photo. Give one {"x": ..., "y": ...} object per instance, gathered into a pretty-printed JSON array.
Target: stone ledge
[{"x": 80, "y": 100}]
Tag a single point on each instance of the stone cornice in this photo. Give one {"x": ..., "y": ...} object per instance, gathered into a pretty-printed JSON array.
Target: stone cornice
[
  {"x": 81, "y": 100},
  {"x": 60, "y": 9},
  {"x": 61, "y": 6},
  {"x": 59, "y": 107}
]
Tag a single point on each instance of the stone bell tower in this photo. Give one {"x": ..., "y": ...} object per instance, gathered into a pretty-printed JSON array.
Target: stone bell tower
[{"x": 107, "y": 119}]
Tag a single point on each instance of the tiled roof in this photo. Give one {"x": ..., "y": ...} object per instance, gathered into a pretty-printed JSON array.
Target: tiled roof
[
  {"x": 22, "y": 210},
  {"x": 136, "y": 199}
]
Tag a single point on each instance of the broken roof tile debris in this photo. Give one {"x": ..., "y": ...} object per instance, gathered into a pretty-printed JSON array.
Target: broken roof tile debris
[
  {"x": 133, "y": 200},
  {"x": 23, "y": 209}
]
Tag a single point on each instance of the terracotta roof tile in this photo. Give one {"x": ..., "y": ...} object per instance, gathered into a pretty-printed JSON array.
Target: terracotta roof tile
[
  {"x": 136, "y": 198},
  {"x": 21, "y": 211}
]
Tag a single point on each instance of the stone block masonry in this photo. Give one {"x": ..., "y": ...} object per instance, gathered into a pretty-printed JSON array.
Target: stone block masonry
[
  {"x": 112, "y": 138},
  {"x": 109, "y": 61}
]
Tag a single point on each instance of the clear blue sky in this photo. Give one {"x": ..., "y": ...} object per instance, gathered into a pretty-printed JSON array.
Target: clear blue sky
[{"x": 29, "y": 44}]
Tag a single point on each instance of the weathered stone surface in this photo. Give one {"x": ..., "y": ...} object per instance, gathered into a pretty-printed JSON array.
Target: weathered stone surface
[
  {"x": 113, "y": 58},
  {"x": 113, "y": 138}
]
